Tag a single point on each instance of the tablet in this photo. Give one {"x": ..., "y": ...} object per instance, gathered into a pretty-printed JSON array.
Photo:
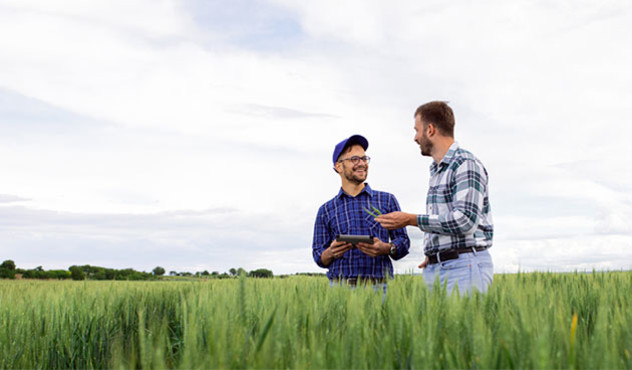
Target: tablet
[{"x": 355, "y": 239}]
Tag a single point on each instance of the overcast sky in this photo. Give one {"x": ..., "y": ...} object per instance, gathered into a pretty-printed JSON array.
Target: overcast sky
[{"x": 197, "y": 135}]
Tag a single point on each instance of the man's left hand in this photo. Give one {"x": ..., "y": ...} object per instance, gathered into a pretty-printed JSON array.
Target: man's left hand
[
  {"x": 378, "y": 248},
  {"x": 397, "y": 220}
]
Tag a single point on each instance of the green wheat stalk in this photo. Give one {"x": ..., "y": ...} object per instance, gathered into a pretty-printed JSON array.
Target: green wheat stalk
[{"x": 375, "y": 213}]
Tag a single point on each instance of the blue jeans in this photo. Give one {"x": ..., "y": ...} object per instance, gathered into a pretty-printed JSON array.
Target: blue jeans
[{"x": 470, "y": 271}]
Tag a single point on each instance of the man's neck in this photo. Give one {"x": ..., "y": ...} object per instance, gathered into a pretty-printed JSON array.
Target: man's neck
[
  {"x": 441, "y": 147},
  {"x": 352, "y": 188}
]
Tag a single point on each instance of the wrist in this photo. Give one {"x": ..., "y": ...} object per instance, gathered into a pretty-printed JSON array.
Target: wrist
[
  {"x": 412, "y": 219},
  {"x": 326, "y": 257},
  {"x": 392, "y": 251}
]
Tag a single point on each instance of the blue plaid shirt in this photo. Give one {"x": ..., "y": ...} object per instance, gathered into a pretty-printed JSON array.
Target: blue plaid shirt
[
  {"x": 344, "y": 214},
  {"x": 458, "y": 213}
]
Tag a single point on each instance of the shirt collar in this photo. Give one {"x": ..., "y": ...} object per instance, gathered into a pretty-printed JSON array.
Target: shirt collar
[
  {"x": 367, "y": 189},
  {"x": 447, "y": 158}
]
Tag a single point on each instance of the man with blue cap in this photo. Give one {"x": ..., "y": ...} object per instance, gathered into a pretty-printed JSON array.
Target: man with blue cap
[{"x": 352, "y": 212}]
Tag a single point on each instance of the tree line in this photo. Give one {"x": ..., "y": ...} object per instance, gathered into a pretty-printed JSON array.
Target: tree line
[
  {"x": 233, "y": 272},
  {"x": 8, "y": 270}
]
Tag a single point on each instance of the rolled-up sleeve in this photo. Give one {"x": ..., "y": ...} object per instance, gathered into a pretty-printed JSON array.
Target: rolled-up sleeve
[
  {"x": 399, "y": 237},
  {"x": 322, "y": 236}
]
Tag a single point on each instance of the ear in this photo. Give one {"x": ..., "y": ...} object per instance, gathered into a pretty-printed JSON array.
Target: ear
[
  {"x": 338, "y": 167},
  {"x": 431, "y": 129}
]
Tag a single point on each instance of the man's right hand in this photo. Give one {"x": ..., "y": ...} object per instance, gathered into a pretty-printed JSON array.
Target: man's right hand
[
  {"x": 397, "y": 220},
  {"x": 336, "y": 250},
  {"x": 424, "y": 263}
]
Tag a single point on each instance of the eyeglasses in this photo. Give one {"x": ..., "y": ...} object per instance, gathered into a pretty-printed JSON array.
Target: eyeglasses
[{"x": 355, "y": 159}]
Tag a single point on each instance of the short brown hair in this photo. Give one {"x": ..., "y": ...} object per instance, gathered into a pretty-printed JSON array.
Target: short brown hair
[{"x": 439, "y": 114}]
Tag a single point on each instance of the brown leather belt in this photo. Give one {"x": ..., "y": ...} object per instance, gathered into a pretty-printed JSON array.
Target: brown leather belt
[
  {"x": 363, "y": 281},
  {"x": 451, "y": 254}
]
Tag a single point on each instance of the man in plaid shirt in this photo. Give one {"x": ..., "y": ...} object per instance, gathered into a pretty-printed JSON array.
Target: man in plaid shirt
[
  {"x": 457, "y": 226},
  {"x": 350, "y": 213}
]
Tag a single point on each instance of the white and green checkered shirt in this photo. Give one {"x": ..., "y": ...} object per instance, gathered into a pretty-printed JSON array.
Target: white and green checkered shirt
[{"x": 458, "y": 213}]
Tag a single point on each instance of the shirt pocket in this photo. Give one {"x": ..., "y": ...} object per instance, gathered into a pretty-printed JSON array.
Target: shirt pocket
[
  {"x": 376, "y": 229},
  {"x": 439, "y": 198},
  {"x": 340, "y": 226}
]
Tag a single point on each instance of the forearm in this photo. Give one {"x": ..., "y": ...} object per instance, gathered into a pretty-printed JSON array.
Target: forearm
[
  {"x": 457, "y": 222},
  {"x": 326, "y": 258},
  {"x": 408, "y": 219}
]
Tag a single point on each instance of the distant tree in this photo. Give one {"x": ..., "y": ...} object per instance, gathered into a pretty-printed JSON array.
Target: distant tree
[
  {"x": 233, "y": 271},
  {"x": 40, "y": 273},
  {"x": 8, "y": 264},
  {"x": 7, "y": 270},
  {"x": 241, "y": 271},
  {"x": 159, "y": 271},
  {"x": 215, "y": 273},
  {"x": 205, "y": 273},
  {"x": 7, "y": 274},
  {"x": 260, "y": 273},
  {"x": 30, "y": 274},
  {"x": 77, "y": 273},
  {"x": 310, "y": 274},
  {"x": 173, "y": 273},
  {"x": 58, "y": 274}
]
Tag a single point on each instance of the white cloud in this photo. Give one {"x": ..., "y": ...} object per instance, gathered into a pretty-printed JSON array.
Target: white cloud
[
  {"x": 581, "y": 253},
  {"x": 104, "y": 113},
  {"x": 8, "y": 198},
  {"x": 212, "y": 238}
]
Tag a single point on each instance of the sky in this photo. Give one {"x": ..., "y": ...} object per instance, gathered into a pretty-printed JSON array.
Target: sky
[{"x": 197, "y": 135}]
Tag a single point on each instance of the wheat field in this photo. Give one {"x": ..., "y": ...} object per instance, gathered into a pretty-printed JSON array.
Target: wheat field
[{"x": 526, "y": 320}]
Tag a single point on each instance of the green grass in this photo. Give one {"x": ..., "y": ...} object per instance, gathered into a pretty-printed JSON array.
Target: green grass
[{"x": 524, "y": 321}]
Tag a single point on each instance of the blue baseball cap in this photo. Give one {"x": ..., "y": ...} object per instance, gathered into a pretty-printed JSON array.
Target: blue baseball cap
[{"x": 352, "y": 140}]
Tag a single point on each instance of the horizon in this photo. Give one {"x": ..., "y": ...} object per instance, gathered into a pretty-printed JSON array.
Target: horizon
[{"x": 168, "y": 271}]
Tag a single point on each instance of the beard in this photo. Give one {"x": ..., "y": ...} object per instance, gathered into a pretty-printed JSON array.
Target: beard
[
  {"x": 351, "y": 176},
  {"x": 426, "y": 146}
]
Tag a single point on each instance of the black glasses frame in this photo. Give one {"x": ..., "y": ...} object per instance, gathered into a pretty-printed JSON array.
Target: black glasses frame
[{"x": 355, "y": 159}]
